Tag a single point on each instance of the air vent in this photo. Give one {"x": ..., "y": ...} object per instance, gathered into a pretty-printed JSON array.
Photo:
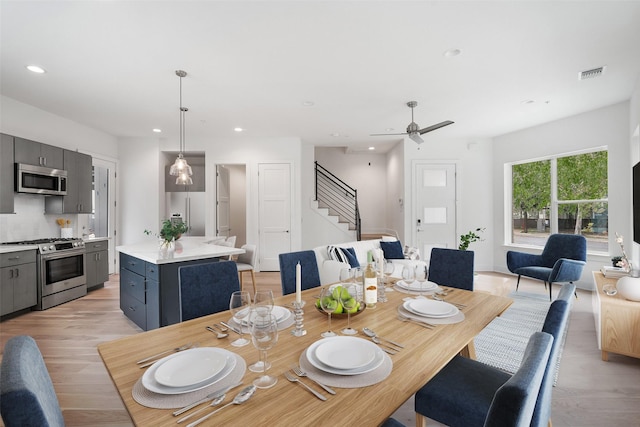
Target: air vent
[{"x": 589, "y": 74}]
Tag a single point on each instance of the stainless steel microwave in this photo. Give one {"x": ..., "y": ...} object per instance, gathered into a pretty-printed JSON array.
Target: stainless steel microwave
[{"x": 40, "y": 180}]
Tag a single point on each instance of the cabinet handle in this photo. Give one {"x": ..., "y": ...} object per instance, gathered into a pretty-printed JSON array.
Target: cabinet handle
[
  {"x": 131, "y": 308},
  {"x": 11, "y": 277}
]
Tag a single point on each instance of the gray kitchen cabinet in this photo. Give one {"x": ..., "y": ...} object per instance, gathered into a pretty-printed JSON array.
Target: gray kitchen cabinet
[
  {"x": 79, "y": 185},
  {"x": 97, "y": 263},
  {"x": 139, "y": 292},
  {"x": 18, "y": 281},
  {"x": 7, "y": 174},
  {"x": 37, "y": 153}
]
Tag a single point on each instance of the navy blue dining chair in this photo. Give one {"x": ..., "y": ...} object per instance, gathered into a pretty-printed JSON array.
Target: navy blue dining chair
[
  {"x": 451, "y": 267},
  {"x": 561, "y": 261},
  {"x": 310, "y": 277},
  {"x": 27, "y": 396},
  {"x": 206, "y": 288},
  {"x": 467, "y": 393}
]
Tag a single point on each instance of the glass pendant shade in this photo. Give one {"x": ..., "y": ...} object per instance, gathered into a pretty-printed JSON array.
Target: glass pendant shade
[{"x": 180, "y": 166}]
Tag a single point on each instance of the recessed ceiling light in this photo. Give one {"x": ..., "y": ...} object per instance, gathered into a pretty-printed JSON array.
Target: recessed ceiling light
[
  {"x": 389, "y": 129},
  {"x": 335, "y": 135},
  {"x": 308, "y": 103},
  {"x": 238, "y": 129},
  {"x": 156, "y": 130},
  {"x": 36, "y": 69},
  {"x": 527, "y": 102},
  {"x": 451, "y": 53},
  {"x": 372, "y": 148}
]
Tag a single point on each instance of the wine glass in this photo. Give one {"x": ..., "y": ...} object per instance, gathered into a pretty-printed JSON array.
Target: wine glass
[
  {"x": 389, "y": 268},
  {"x": 346, "y": 275},
  {"x": 240, "y": 306},
  {"x": 421, "y": 276},
  {"x": 264, "y": 335},
  {"x": 263, "y": 302},
  {"x": 408, "y": 275},
  {"x": 262, "y": 306},
  {"x": 328, "y": 305},
  {"x": 349, "y": 299}
]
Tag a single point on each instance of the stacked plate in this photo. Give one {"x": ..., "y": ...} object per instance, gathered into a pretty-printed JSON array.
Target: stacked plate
[
  {"x": 281, "y": 314},
  {"x": 189, "y": 370},
  {"x": 344, "y": 355},
  {"x": 429, "y": 308},
  {"x": 416, "y": 286}
]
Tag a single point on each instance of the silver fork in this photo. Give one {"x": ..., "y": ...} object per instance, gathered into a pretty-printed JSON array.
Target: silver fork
[
  {"x": 418, "y": 322},
  {"x": 299, "y": 372},
  {"x": 457, "y": 304},
  {"x": 294, "y": 379},
  {"x": 155, "y": 356}
]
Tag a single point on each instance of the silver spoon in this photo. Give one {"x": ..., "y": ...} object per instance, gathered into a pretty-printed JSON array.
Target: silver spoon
[
  {"x": 219, "y": 334},
  {"x": 214, "y": 402},
  {"x": 370, "y": 333},
  {"x": 244, "y": 395}
]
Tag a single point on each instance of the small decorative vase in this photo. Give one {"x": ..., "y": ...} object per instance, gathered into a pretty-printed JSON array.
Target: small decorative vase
[{"x": 629, "y": 287}]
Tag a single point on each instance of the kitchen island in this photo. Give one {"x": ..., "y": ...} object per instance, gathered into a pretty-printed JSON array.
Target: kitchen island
[{"x": 149, "y": 288}]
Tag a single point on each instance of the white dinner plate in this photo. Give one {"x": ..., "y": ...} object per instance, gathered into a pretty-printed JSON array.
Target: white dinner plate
[
  {"x": 430, "y": 308},
  {"x": 149, "y": 382},
  {"x": 190, "y": 367},
  {"x": 346, "y": 353},
  {"x": 280, "y": 314},
  {"x": 415, "y": 286},
  {"x": 377, "y": 361}
]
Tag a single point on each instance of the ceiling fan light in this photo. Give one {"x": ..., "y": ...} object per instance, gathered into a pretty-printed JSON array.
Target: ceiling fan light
[{"x": 416, "y": 138}]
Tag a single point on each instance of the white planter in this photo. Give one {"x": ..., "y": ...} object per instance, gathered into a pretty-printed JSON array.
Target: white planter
[{"x": 629, "y": 287}]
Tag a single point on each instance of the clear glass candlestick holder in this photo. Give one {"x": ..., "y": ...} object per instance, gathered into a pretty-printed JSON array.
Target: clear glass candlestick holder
[{"x": 298, "y": 314}]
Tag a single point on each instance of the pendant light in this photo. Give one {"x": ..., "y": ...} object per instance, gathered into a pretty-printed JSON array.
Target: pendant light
[{"x": 180, "y": 167}]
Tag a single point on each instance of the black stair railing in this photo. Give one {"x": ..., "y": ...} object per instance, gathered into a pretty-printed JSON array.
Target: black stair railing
[{"x": 340, "y": 198}]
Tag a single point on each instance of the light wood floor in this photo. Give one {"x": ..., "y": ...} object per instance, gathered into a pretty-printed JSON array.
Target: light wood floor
[{"x": 590, "y": 392}]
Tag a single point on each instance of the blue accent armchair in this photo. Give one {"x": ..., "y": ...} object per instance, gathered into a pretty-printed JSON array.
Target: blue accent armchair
[
  {"x": 562, "y": 260},
  {"x": 27, "y": 396},
  {"x": 206, "y": 288},
  {"x": 471, "y": 394},
  {"x": 308, "y": 266},
  {"x": 451, "y": 267}
]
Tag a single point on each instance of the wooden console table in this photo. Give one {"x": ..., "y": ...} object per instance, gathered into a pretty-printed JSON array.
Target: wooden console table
[{"x": 617, "y": 321}]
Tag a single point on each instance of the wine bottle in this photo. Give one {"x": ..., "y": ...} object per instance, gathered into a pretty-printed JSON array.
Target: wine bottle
[{"x": 370, "y": 283}]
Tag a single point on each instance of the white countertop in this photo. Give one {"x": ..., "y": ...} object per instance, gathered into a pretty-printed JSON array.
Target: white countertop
[
  {"x": 186, "y": 249},
  {"x": 5, "y": 249}
]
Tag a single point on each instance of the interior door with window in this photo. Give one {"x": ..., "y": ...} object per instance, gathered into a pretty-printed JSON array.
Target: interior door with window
[
  {"x": 274, "y": 187},
  {"x": 435, "y": 207}
]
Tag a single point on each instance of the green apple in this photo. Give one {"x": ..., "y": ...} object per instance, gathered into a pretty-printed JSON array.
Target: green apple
[
  {"x": 339, "y": 309},
  {"x": 344, "y": 294},
  {"x": 335, "y": 293},
  {"x": 318, "y": 304}
]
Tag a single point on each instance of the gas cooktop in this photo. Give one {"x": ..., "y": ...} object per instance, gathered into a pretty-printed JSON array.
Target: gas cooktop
[{"x": 40, "y": 241}]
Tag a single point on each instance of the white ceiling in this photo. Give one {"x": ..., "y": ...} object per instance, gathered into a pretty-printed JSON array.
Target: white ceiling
[{"x": 111, "y": 65}]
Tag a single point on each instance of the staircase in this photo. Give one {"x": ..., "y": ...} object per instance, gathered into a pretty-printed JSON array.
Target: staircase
[{"x": 337, "y": 201}]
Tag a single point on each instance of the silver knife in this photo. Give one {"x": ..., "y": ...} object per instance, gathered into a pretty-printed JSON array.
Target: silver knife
[
  {"x": 392, "y": 342},
  {"x": 230, "y": 327},
  {"x": 210, "y": 396}
]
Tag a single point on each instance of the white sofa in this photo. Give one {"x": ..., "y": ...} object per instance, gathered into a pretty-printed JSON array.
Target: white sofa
[{"x": 330, "y": 269}]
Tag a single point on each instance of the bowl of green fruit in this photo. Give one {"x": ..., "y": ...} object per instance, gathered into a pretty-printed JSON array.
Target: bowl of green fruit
[{"x": 339, "y": 294}]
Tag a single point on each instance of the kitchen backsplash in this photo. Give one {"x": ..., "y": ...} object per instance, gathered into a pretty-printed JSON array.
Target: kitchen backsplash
[{"x": 30, "y": 222}]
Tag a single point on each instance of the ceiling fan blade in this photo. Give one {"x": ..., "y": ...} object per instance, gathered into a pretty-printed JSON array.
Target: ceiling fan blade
[
  {"x": 416, "y": 138},
  {"x": 436, "y": 126},
  {"x": 386, "y": 134}
]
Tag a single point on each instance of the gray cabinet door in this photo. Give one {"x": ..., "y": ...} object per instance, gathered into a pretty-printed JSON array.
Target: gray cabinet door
[
  {"x": 7, "y": 184},
  {"x": 97, "y": 263},
  {"x": 25, "y": 287},
  {"x": 79, "y": 186},
  {"x": 6, "y": 290},
  {"x": 36, "y": 153}
]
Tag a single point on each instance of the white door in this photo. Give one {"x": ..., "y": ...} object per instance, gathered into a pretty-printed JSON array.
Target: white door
[
  {"x": 435, "y": 207},
  {"x": 274, "y": 187},
  {"x": 222, "y": 202}
]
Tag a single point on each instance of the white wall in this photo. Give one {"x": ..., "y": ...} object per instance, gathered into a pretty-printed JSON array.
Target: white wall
[
  {"x": 606, "y": 126},
  {"x": 395, "y": 190}
]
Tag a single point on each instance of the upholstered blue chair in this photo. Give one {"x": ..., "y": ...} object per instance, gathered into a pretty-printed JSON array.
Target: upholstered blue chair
[
  {"x": 556, "y": 323},
  {"x": 308, "y": 267},
  {"x": 562, "y": 260},
  {"x": 392, "y": 422},
  {"x": 27, "y": 396},
  {"x": 468, "y": 393},
  {"x": 451, "y": 267},
  {"x": 206, "y": 288}
]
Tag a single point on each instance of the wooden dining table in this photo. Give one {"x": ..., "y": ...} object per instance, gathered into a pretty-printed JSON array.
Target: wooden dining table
[{"x": 426, "y": 352}]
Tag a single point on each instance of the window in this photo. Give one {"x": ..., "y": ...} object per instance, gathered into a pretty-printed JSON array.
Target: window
[{"x": 564, "y": 194}]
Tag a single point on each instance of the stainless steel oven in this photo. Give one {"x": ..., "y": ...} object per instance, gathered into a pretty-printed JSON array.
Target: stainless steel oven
[{"x": 61, "y": 272}]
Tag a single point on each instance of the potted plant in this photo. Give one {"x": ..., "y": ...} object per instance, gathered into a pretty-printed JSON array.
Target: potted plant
[
  {"x": 170, "y": 232},
  {"x": 470, "y": 237}
]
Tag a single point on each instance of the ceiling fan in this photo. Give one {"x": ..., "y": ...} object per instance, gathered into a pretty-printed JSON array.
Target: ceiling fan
[{"x": 413, "y": 130}]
